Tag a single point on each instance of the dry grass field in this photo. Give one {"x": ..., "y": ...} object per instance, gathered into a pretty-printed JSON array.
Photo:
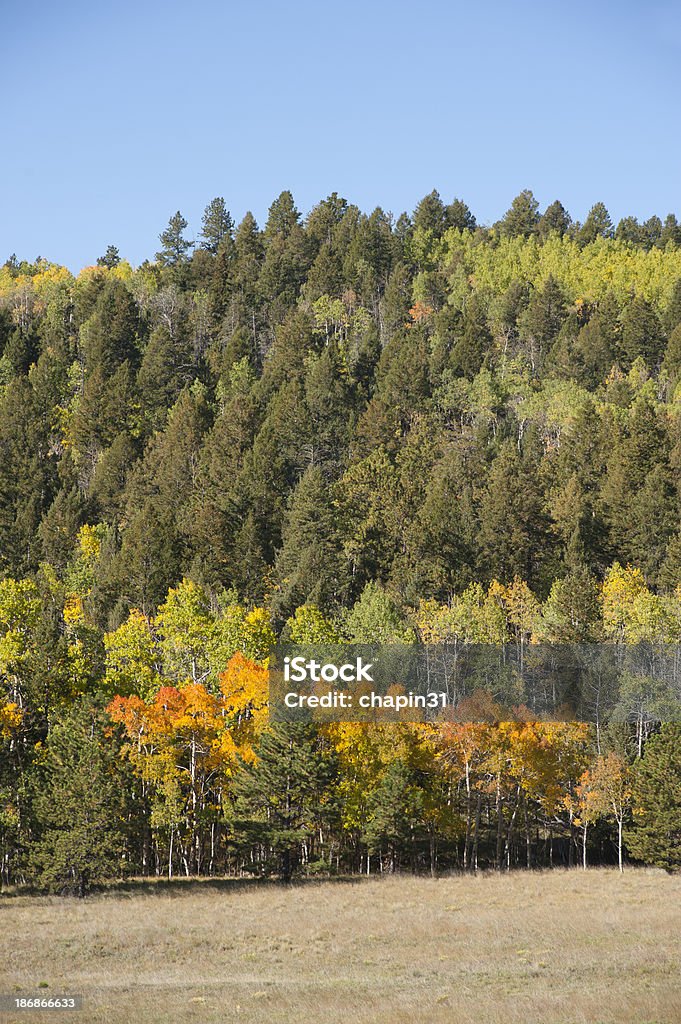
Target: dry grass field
[{"x": 546, "y": 948}]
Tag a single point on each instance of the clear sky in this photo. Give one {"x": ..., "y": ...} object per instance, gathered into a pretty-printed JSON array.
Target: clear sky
[{"x": 116, "y": 115}]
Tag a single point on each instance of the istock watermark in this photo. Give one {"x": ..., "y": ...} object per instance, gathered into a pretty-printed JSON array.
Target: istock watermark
[
  {"x": 298, "y": 670},
  {"x": 598, "y": 683}
]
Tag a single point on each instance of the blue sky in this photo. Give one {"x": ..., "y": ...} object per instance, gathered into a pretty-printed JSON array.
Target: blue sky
[{"x": 115, "y": 116}]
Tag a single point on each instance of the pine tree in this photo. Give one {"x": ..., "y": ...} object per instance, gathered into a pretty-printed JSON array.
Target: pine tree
[
  {"x": 286, "y": 259},
  {"x": 217, "y": 227},
  {"x": 672, "y": 314},
  {"x": 112, "y": 334},
  {"x": 288, "y": 794},
  {"x": 637, "y": 495},
  {"x": 672, "y": 357},
  {"x": 641, "y": 333},
  {"x": 309, "y": 567},
  {"x": 107, "y": 487},
  {"x": 459, "y": 216},
  {"x": 430, "y": 214},
  {"x": 597, "y": 225},
  {"x": 395, "y": 812},
  {"x": 542, "y": 320},
  {"x": 591, "y": 355},
  {"x": 655, "y": 836},
  {"x": 174, "y": 246},
  {"x": 167, "y": 367},
  {"x": 249, "y": 249},
  {"x": 474, "y": 344},
  {"x": 79, "y": 805},
  {"x": 102, "y": 412},
  {"x": 629, "y": 230},
  {"x": 150, "y": 558},
  {"x": 324, "y": 218},
  {"x": 512, "y": 521},
  {"x": 60, "y": 525},
  {"x": 442, "y": 537},
  {"x": 523, "y": 216},
  {"x": 651, "y": 231},
  {"x": 555, "y": 219},
  {"x": 110, "y": 259},
  {"x": 671, "y": 232},
  {"x": 282, "y": 219},
  {"x": 28, "y": 476},
  {"x": 571, "y": 613}
]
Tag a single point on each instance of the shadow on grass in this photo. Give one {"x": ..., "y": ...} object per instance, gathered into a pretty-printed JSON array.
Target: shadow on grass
[
  {"x": 222, "y": 886},
  {"x": 191, "y": 886}
]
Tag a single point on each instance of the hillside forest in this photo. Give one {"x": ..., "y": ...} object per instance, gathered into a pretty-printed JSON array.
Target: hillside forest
[{"x": 346, "y": 427}]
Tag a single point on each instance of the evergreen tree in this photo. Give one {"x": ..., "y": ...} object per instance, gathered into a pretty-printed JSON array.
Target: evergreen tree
[
  {"x": 395, "y": 811},
  {"x": 591, "y": 355},
  {"x": 475, "y": 341},
  {"x": 655, "y": 836},
  {"x": 107, "y": 487},
  {"x": 167, "y": 367},
  {"x": 150, "y": 559},
  {"x": 651, "y": 232},
  {"x": 110, "y": 259},
  {"x": 641, "y": 333},
  {"x": 629, "y": 230},
  {"x": 571, "y": 613},
  {"x": 174, "y": 246},
  {"x": 555, "y": 219},
  {"x": 249, "y": 251},
  {"x": 289, "y": 793},
  {"x": 28, "y": 476},
  {"x": 60, "y": 525},
  {"x": 653, "y": 520},
  {"x": 522, "y": 218},
  {"x": 324, "y": 219},
  {"x": 443, "y": 533},
  {"x": 430, "y": 214},
  {"x": 671, "y": 363},
  {"x": 309, "y": 566},
  {"x": 282, "y": 219},
  {"x": 396, "y": 302},
  {"x": 80, "y": 805},
  {"x": 403, "y": 390},
  {"x": 596, "y": 225},
  {"x": 112, "y": 334},
  {"x": 672, "y": 314},
  {"x": 671, "y": 232},
  {"x": 20, "y": 352},
  {"x": 636, "y": 492},
  {"x": 512, "y": 522},
  {"x": 217, "y": 226},
  {"x": 103, "y": 411},
  {"x": 330, "y": 401},
  {"x": 459, "y": 216},
  {"x": 542, "y": 320},
  {"x": 369, "y": 256}
]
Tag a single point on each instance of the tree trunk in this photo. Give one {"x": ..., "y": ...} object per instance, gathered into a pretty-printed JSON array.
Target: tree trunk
[
  {"x": 500, "y": 827},
  {"x": 478, "y": 813},
  {"x": 619, "y": 843},
  {"x": 469, "y": 812}
]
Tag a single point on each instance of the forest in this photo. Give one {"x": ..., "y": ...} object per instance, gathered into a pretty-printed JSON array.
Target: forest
[{"x": 343, "y": 427}]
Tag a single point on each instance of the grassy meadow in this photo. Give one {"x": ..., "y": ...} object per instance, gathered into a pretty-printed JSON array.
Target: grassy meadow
[{"x": 529, "y": 948}]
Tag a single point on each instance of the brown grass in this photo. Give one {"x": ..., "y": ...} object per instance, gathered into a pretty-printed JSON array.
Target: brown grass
[{"x": 546, "y": 948}]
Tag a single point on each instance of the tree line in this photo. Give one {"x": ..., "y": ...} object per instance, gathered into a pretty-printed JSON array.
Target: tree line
[{"x": 148, "y": 750}]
